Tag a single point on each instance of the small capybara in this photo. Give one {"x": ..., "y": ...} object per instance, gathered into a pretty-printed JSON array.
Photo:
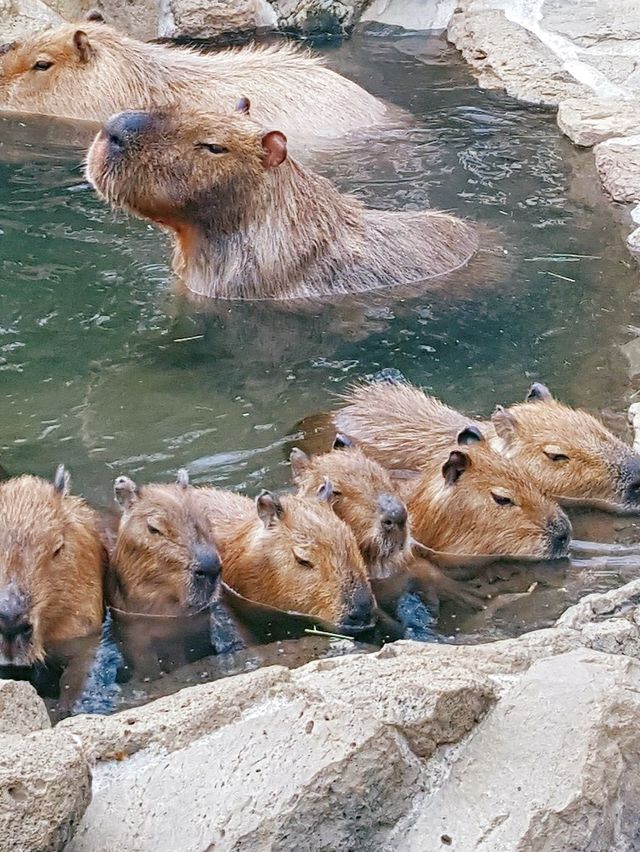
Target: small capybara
[
  {"x": 292, "y": 553},
  {"x": 51, "y": 569},
  {"x": 164, "y": 561},
  {"x": 251, "y": 223},
  {"x": 565, "y": 452},
  {"x": 90, "y": 71}
]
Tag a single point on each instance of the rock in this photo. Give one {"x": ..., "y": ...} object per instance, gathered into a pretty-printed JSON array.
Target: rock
[
  {"x": 45, "y": 787},
  {"x": 411, "y": 14},
  {"x": 601, "y": 24},
  {"x": 142, "y": 19},
  {"x": 551, "y": 769},
  {"x": 618, "y": 164},
  {"x": 591, "y": 608},
  {"x": 22, "y": 16},
  {"x": 21, "y": 709},
  {"x": 217, "y": 19},
  {"x": 592, "y": 120},
  {"x": 318, "y": 17}
]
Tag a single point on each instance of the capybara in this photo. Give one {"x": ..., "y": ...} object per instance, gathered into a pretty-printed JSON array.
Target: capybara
[
  {"x": 164, "y": 561},
  {"x": 565, "y": 452},
  {"x": 250, "y": 222},
  {"x": 292, "y": 553},
  {"x": 90, "y": 71},
  {"x": 51, "y": 569}
]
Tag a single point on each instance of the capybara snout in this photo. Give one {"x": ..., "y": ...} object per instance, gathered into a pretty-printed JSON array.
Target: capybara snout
[
  {"x": 125, "y": 128},
  {"x": 16, "y": 629},
  {"x": 559, "y": 532}
]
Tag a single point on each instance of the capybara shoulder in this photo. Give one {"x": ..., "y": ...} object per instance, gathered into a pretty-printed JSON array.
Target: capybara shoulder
[
  {"x": 51, "y": 568},
  {"x": 164, "y": 561}
]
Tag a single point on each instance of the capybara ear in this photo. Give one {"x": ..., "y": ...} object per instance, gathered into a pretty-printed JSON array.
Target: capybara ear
[
  {"x": 504, "y": 422},
  {"x": 82, "y": 45},
  {"x": 539, "y": 393},
  {"x": 274, "y": 146},
  {"x": 455, "y": 466},
  {"x": 95, "y": 16},
  {"x": 125, "y": 491},
  {"x": 270, "y": 509},
  {"x": 62, "y": 480},
  {"x": 182, "y": 478},
  {"x": 243, "y": 104},
  {"x": 470, "y": 435},
  {"x": 325, "y": 492},
  {"x": 300, "y": 461},
  {"x": 341, "y": 442}
]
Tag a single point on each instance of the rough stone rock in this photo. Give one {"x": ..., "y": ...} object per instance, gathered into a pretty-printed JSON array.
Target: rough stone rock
[
  {"x": 22, "y": 16},
  {"x": 411, "y": 14},
  {"x": 593, "y": 23},
  {"x": 194, "y": 19},
  {"x": 21, "y": 709},
  {"x": 553, "y": 768},
  {"x": 618, "y": 164},
  {"x": 45, "y": 787},
  {"x": 622, "y": 601},
  {"x": 318, "y": 17},
  {"x": 592, "y": 120}
]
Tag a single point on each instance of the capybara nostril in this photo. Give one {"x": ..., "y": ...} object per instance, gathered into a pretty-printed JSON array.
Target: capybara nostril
[
  {"x": 13, "y": 614},
  {"x": 125, "y": 127},
  {"x": 559, "y": 531},
  {"x": 207, "y": 561},
  {"x": 631, "y": 477},
  {"x": 360, "y": 612},
  {"x": 394, "y": 512}
]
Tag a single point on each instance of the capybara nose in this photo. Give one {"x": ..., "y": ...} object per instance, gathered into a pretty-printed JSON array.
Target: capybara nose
[
  {"x": 124, "y": 128},
  {"x": 394, "y": 512},
  {"x": 559, "y": 531},
  {"x": 631, "y": 474},
  {"x": 13, "y": 614},
  {"x": 361, "y": 610},
  {"x": 207, "y": 561}
]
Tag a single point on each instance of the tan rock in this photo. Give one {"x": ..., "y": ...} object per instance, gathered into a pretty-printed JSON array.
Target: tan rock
[
  {"x": 216, "y": 19},
  {"x": 22, "y": 16},
  {"x": 618, "y": 164},
  {"x": 318, "y": 17},
  {"x": 587, "y": 121},
  {"x": 21, "y": 709}
]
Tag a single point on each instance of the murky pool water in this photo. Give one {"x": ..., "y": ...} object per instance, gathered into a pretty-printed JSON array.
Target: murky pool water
[{"x": 103, "y": 368}]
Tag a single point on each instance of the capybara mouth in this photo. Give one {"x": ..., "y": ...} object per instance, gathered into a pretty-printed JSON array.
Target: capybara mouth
[
  {"x": 16, "y": 651},
  {"x": 559, "y": 532}
]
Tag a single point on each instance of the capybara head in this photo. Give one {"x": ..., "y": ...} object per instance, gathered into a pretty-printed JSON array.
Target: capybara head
[
  {"x": 297, "y": 555},
  {"x": 164, "y": 561},
  {"x": 51, "y": 568},
  {"x": 365, "y": 498},
  {"x": 568, "y": 452},
  {"x": 185, "y": 168},
  {"x": 481, "y": 503}
]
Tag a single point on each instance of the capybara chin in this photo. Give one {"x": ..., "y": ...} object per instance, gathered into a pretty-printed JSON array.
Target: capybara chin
[
  {"x": 251, "y": 223},
  {"x": 91, "y": 71},
  {"x": 51, "y": 568},
  {"x": 292, "y": 553},
  {"x": 164, "y": 561},
  {"x": 565, "y": 452}
]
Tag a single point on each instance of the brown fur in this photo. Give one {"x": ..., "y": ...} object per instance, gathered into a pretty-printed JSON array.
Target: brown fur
[
  {"x": 155, "y": 563},
  {"x": 51, "y": 556},
  {"x": 252, "y": 224},
  {"x": 298, "y": 557},
  {"x": 97, "y": 72}
]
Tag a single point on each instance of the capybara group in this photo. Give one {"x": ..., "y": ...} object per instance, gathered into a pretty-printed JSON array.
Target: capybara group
[
  {"x": 90, "y": 71},
  {"x": 51, "y": 569},
  {"x": 250, "y": 223}
]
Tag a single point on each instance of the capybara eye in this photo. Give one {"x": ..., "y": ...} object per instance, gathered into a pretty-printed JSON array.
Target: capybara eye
[
  {"x": 58, "y": 549},
  {"x": 212, "y": 148},
  {"x": 42, "y": 65},
  {"x": 502, "y": 499},
  {"x": 556, "y": 457},
  {"x": 153, "y": 530},
  {"x": 302, "y": 561}
]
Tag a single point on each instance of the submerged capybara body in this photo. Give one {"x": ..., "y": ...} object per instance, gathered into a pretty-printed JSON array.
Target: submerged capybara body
[
  {"x": 164, "y": 561},
  {"x": 292, "y": 553},
  {"x": 91, "y": 71},
  {"x": 565, "y": 452},
  {"x": 251, "y": 223},
  {"x": 51, "y": 569}
]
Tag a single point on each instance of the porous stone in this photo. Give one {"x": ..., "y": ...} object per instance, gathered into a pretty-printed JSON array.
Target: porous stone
[
  {"x": 618, "y": 164},
  {"x": 19, "y": 17},
  {"x": 213, "y": 20},
  {"x": 592, "y": 120},
  {"x": 318, "y": 17},
  {"x": 21, "y": 709},
  {"x": 411, "y": 14}
]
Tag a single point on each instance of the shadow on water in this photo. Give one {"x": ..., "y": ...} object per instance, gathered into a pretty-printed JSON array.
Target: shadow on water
[{"x": 104, "y": 366}]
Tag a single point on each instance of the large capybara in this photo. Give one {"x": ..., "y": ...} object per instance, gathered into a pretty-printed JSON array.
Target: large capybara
[
  {"x": 51, "y": 569},
  {"x": 565, "y": 452},
  {"x": 292, "y": 553},
  {"x": 251, "y": 223},
  {"x": 164, "y": 561},
  {"x": 91, "y": 71}
]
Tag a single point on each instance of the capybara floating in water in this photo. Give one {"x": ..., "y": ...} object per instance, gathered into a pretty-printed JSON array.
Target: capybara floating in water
[
  {"x": 164, "y": 561},
  {"x": 565, "y": 452},
  {"x": 251, "y": 223},
  {"x": 91, "y": 71},
  {"x": 51, "y": 569},
  {"x": 292, "y": 553}
]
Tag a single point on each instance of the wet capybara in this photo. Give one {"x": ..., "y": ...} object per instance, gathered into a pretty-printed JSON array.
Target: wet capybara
[
  {"x": 292, "y": 553},
  {"x": 251, "y": 223},
  {"x": 90, "y": 71},
  {"x": 565, "y": 452},
  {"x": 51, "y": 569},
  {"x": 164, "y": 561}
]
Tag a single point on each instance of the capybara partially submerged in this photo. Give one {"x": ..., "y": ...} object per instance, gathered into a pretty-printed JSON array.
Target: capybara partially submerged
[
  {"x": 164, "y": 561},
  {"x": 565, "y": 452},
  {"x": 91, "y": 71},
  {"x": 51, "y": 569},
  {"x": 292, "y": 553},
  {"x": 251, "y": 223}
]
